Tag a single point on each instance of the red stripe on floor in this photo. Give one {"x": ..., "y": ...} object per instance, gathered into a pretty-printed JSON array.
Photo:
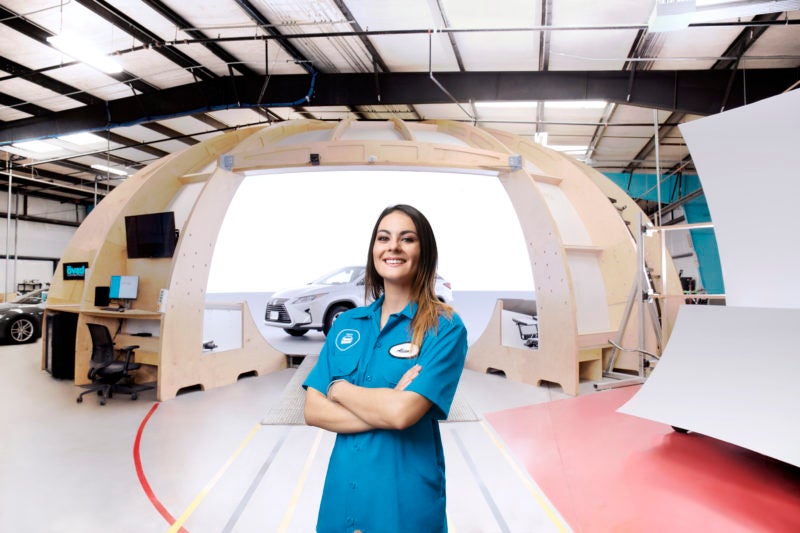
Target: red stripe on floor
[
  {"x": 607, "y": 471},
  {"x": 140, "y": 471}
]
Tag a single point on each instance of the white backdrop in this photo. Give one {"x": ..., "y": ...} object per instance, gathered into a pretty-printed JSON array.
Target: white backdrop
[
  {"x": 748, "y": 160},
  {"x": 285, "y": 230}
]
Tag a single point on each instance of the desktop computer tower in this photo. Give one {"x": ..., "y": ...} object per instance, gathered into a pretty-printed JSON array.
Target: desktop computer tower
[{"x": 60, "y": 333}]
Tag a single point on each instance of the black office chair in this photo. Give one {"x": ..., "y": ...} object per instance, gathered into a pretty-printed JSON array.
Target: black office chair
[
  {"x": 109, "y": 374},
  {"x": 528, "y": 332}
]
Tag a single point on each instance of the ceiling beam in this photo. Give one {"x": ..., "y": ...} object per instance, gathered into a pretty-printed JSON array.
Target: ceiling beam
[
  {"x": 186, "y": 27},
  {"x": 23, "y": 72},
  {"x": 140, "y": 33},
  {"x": 37, "y": 33},
  {"x": 737, "y": 48},
  {"x": 267, "y": 26},
  {"x": 696, "y": 92}
]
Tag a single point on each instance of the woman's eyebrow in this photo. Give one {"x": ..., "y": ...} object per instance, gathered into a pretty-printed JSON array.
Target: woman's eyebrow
[{"x": 404, "y": 232}]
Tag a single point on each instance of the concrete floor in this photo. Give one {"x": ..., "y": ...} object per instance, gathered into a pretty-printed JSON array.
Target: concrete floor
[{"x": 204, "y": 460}]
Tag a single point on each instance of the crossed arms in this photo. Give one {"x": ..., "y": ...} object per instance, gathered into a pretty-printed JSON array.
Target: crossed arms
[{"x": 349, "y": 408}]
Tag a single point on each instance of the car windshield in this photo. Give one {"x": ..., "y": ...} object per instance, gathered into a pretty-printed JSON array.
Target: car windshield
[
  {"x": 34, "y": 297},
  {"x": 341, "y": 276}
]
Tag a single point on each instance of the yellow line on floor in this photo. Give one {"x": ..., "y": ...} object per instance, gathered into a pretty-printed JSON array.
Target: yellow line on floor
[
  {"x": 298, "y": 489},
  {"x": 533, "y": 489},
  {"x": 203, "y": 493}
]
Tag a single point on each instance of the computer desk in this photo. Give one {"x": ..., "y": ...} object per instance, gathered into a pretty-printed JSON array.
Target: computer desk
[{"x": 148, "y": 353}]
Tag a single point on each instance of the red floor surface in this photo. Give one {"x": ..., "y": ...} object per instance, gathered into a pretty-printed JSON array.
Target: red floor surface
[{"x": 607, "y": 471}]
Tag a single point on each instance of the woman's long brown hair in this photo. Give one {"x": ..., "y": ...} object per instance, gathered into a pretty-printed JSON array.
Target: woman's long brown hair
[{"x": 423, "y": 291}]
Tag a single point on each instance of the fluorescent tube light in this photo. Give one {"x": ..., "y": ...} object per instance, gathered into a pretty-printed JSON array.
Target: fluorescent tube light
[
  {"x": 708, "y": 11},
  {"x": 81, "y": 139},
  {"x": 569, "y": 148},
  {"x": 84, "y": 52},
  {"x": 506, "y": 104},
  {"x": 671, "y": 16},
  {"x": 39, "y": 147},
  {"x": 575, "y": 104},
  {"x": 110, "y": 170}
]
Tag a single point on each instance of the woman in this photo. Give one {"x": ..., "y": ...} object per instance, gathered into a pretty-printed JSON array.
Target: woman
[{"x": 385, "y": 377}]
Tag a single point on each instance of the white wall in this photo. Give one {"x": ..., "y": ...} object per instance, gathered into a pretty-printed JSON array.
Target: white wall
[
  {"x": 37, "y": 241},
  {"x": 679, "y": 244},
  {"x": 39, "y": 207}
]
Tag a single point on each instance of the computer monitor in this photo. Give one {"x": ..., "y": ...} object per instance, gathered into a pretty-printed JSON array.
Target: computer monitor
[
  {"x": 124, "y": 289},
  {"x": 150, "y": 235}
]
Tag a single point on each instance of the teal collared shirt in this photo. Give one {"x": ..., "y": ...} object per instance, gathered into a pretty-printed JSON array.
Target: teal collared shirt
[{"x": 389, "y": 480}]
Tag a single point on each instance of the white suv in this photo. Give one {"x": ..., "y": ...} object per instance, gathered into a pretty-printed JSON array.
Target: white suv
[{"x": 318, "y": 304}]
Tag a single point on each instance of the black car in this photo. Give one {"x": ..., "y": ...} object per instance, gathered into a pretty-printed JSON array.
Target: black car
[{"x": 21, "y": 319}]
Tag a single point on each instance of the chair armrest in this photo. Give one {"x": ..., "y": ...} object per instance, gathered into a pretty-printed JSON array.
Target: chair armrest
[{"x": 128, "y": 354}]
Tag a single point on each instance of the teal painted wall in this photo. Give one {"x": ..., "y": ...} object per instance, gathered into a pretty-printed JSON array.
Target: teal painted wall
[{"x": 642, "y": 186}]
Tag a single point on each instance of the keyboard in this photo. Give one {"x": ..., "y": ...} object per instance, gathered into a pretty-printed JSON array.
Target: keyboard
[{"x": 112, "y": 309}]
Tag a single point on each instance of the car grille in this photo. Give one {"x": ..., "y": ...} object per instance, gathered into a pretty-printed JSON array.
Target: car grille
[{"x": 277, "y": 305}]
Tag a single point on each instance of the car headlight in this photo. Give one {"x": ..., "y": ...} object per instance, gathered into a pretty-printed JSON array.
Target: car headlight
[{"x": 308, "y": 298}]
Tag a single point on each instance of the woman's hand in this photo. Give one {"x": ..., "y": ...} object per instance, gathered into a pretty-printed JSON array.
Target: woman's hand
[{"x": 408, "y": 377}]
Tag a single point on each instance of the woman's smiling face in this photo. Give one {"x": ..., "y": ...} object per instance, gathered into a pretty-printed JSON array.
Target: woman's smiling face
[{"x": 396, "y": 250}]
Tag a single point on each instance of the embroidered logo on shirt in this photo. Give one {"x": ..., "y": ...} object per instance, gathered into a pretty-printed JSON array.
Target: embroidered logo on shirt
[
  {"x": 347, "y": 338},
  {"x": 405, "y": 350}
]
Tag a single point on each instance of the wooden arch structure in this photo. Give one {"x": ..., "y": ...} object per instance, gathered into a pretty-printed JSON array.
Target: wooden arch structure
[{"x": 582, "y": 254}]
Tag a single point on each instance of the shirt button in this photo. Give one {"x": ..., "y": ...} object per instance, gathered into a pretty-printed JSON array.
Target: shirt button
[
  {"x": 369, "y": 378},
  {"x": 349, "y": 521}
]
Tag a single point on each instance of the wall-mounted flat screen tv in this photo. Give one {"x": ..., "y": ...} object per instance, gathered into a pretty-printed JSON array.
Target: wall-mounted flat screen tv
[{"x": 151, "y": 235}]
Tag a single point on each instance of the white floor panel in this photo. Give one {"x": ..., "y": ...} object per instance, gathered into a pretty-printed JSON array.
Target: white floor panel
[
  {"x": 70, "y": 467},
  {"x": 730, "y": 373}
]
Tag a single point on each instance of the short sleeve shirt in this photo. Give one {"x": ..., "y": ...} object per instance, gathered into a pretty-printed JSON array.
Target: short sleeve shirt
[{"x": 389, "y": 480}]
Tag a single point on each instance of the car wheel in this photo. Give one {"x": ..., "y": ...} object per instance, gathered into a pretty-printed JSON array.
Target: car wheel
[
  {"x": 22, "y": 330},
  {"x": 331, "y": 316},
  {"x": 295, "y": 332}
]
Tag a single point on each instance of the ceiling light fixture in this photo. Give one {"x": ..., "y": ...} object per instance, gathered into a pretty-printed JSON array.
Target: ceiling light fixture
[
  {"x": 569, "y": 148},
  {"x": 38, "y": 147},
  {"x": 506, "y": 104},
  {"x": 81, "y": 139},
  {"x": 671, "y": 16},
  {"x": 575, "y": 104},
  {"x": 110, "y": 170},
  {"x": 82, "y": 51}
]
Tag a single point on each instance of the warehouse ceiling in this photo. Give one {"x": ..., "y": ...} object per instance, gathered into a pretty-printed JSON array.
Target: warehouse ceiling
[{"x": 602, "y": 81}]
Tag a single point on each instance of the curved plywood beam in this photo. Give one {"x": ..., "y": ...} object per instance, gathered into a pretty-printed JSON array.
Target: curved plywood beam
[
  {"x": 581, "y": 253},
  {"x": 100, "y": 241},
  {"x": 185, "y": 365},
  {"x": 608, "y": 226},
  {"x": 557, "y": 358}
]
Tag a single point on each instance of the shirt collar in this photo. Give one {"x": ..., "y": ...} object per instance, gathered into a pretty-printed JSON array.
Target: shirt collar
[{"x": 364, "y": 312}]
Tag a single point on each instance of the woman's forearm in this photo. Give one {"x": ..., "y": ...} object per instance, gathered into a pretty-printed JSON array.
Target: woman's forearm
[
  {"x": 380, "y": 407},
  {"x": 323, "y": 413}
]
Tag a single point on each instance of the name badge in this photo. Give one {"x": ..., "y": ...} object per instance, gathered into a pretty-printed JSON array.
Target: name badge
[{"x": 405, "y": 350}]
